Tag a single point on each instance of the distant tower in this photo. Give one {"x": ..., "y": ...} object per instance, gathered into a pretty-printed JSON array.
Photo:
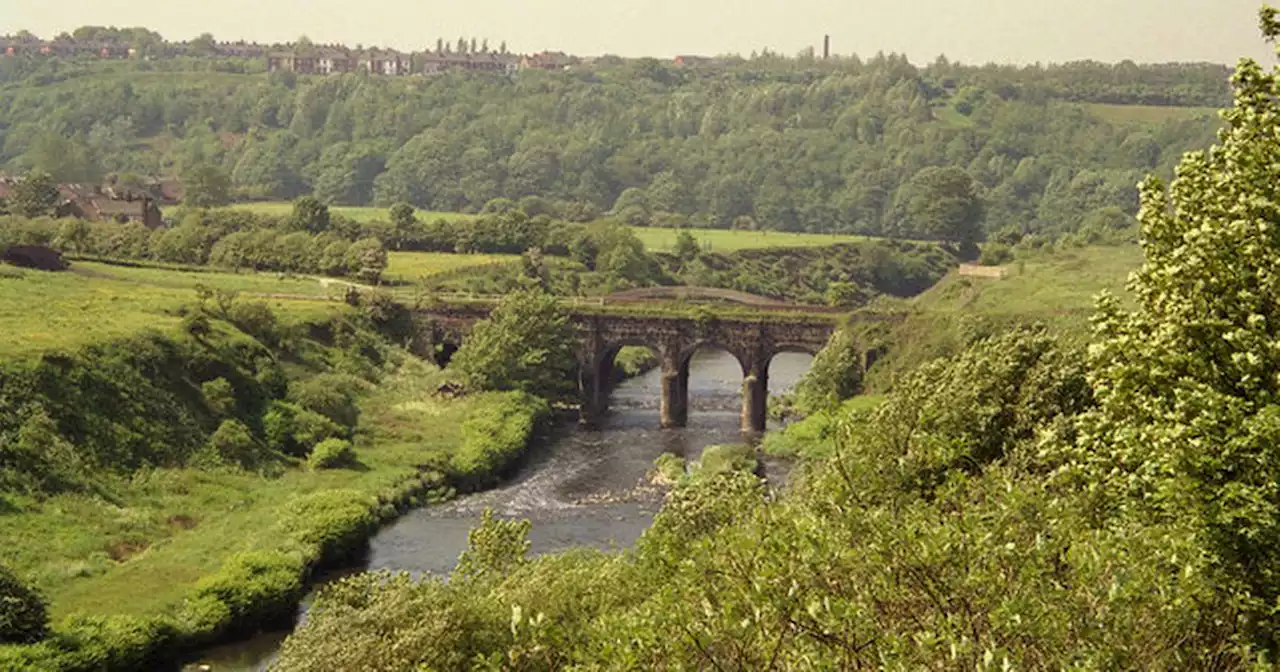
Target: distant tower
[{"x": 826, "y": 47}]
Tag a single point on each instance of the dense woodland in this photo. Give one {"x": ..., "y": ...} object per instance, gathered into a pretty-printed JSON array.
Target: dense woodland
[{"x": 874, "y": 145}]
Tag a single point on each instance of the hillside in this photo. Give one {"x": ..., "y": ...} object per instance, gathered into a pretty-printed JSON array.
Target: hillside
[
  {"x": 1055, "y": 288},
  {"x": 774, "y": 144}
]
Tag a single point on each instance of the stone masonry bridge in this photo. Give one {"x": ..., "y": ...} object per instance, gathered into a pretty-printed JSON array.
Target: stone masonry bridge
[{"x": 753, "y": 342}]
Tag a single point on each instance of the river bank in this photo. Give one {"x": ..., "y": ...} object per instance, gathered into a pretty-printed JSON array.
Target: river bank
[
  {"x": 579, "y": 488},
  {"x": 198, "y": 557}
]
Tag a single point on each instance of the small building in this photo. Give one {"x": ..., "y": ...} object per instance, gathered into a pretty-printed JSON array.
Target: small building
[
  {"x": 548, "y": 60},
  {"x": 385, "y": 62},
  {"x": 97, "y": 205}
]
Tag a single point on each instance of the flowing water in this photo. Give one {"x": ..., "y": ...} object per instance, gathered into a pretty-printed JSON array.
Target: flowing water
[{"x": 581, "y": 488}]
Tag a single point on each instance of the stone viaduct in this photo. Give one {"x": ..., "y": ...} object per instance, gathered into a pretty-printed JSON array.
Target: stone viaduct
[{"x": 674, "y": 340}]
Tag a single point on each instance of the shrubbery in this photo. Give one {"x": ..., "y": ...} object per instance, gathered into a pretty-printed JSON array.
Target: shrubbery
[
  {"x": 23, "y": 617},
  {"x": 496, "y": 433},
  {"x": 331, "y": 454}
]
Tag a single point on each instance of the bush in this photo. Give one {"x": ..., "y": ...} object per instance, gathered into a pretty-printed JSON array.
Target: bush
[
  {"x": 256, "y": 589},
  {"x": 332, "y": 524},
  {"x": 725, "y": 458},
  {"x": 220, "y": 397},
  {"x": 233, "y": 443},
  {"x": 331, "y": 454},
  {"x": 995, "y": 254},
  {"x": 332, "y": 396},
  {"x": 23, "y": 616},
  {"x": 496, "y": 432}
]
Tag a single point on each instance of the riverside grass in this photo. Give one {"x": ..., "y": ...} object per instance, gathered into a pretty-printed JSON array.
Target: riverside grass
[{"x": 172, "y": 559}]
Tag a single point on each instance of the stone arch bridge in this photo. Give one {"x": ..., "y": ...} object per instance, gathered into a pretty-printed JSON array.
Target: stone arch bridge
[{"x": 753, "y": 342}]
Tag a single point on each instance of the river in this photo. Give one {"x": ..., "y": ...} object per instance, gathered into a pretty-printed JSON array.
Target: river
[{"x": 581, "y": 488}]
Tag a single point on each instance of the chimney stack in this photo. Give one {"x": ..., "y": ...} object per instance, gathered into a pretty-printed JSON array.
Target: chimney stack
[{"x": 826, "y": 47}]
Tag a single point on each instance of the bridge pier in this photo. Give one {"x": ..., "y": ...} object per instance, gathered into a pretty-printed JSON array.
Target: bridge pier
[
  {"x": 675, "y": 393},
  {"x": 755, "y": 400}
]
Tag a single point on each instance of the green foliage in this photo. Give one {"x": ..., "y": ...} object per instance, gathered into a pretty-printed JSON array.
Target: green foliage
[
  {"x": 333, "y": 523},
  {"x": 233, "y": 443},
  {"x": 940, "y": 204},
  {"x": 1185, "y": 432},
  {"x": 224, "y": 238},
  {"x": 668, "y": 469},
  {"x": 686, "y": 247},
  {"x": 205, "y": 186},
  {"x": 23, "y": 615},
  {"x": 249, "y": 590},
  {"x": 720, "y": 459},
  {"x": 835, "y": 375},
  {"x": 34, "y": 196},
  {"x": 331, "y": 454},
  {"x": 494, "y": 547},
  {"x": 220, "y": 397},
  {"x": 309, "y": 214},
  {"x": 330, "y": 395},
  {"x": 496, "y": 433},
  {"x": 526, "y": 344}
]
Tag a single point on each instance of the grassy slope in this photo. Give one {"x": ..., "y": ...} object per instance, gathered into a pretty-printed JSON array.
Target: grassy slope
[
  {"x": 63, "y": 546},
  {"x": 1056, "y": 289},
  {"x": 95, "y": 302},
  {"x": 412, "y": 266}
]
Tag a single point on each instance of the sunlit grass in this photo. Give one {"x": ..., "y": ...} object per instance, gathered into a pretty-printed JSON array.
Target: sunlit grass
[
  {"x": 357, "y": 213},
  {"x": 722, "y": 240},
  {"x": 93, "y": 302},
  {"x": 412, "y": 266}
]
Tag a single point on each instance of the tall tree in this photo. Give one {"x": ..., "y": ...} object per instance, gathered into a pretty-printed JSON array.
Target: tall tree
[
  {"x": 526, "y": 344},
  {"x": 942, "y": 204},
  {"x": 206, "y": 185},
  {"x": 35, "y": 195}
]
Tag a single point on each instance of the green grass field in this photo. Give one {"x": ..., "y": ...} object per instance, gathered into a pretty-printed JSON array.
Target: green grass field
[
  {"x": 1146, "y": 114},
  {"x": 413, "y": 266},
  {"x": 721, "y": 240},
  {"x": 94, "y": 302},
  {"x": 654, "y": 239},
  {"x": 358, "y": 213}
]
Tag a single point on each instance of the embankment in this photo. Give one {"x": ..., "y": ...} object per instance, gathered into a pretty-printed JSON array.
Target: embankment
[{"x": 144, "y": 556}]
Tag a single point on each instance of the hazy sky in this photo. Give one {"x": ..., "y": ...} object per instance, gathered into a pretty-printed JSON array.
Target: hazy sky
[{"x": 966, "y": 30}]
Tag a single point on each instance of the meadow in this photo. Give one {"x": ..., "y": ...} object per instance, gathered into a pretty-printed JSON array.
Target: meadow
[
  {"x": 95, "y": 302},
  {"x": 411, "y": 267},
  {"x": 654, "y": 239},
  {"x": 1053, "y": 288}
]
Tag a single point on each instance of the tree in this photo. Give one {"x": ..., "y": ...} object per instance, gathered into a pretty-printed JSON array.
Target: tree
[
  {"x": 367, "y": 259},
  {"x": 23, "y": 615},
  {"x": 309, "y": 214},
  {"x": 73, "y": 235},
  {"x": 206, "y": 185},
  {"x": 1187, "y": 434},
  {"x": 526, "y": 344},
  {"x": 35, "y": 195},
  {"x": 941, "y": 203},
  {"x": 404, "y": 223},
  {"x": 686, "y": 246}
]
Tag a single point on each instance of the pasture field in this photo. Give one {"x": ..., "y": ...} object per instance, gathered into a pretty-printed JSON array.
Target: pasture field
[
  {"x": 724, "y": 240},
  {"x": 413, "y": 266},
  {"x": 654, "y": 239},
  {"x": 357, "y": 213},
  {"x": 94, "y": 302}
]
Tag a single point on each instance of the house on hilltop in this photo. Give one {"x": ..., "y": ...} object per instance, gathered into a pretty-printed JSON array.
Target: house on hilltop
[{"x": 548, "y": 60}]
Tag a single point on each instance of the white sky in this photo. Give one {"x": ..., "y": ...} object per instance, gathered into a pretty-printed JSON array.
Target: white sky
[{"x": 971, "y": 31}]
